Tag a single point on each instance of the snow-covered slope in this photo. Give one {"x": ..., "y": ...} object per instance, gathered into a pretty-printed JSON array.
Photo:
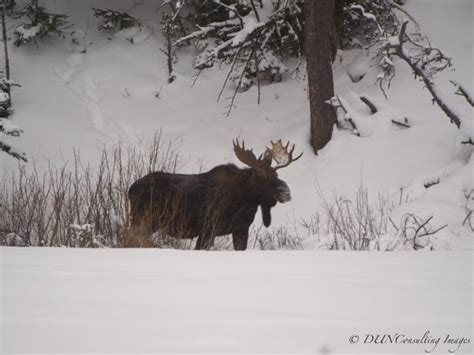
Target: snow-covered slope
[
  {"x": 104, "y": 89},
  {"x": 137, "y": 301}
]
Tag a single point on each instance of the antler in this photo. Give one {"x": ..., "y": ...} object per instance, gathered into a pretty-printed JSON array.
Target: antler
[
  {"x": 247, "y": 156},
  {"x": 281, "y": 155}
]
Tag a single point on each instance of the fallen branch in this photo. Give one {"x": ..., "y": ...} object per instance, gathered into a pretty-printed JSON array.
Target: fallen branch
[
  {"x": 401, "y": 124},
  {"x": 469, "y": 141},
  {"x": 370, "y": 104},
  {"x": 336, "y": 102}
]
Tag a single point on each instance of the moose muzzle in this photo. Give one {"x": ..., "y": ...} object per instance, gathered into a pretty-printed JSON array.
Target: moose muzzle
[{"x": 283, "y": 192}]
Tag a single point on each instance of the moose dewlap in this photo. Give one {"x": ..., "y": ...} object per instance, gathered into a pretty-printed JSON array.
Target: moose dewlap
[{"x": 219, "y": 202}]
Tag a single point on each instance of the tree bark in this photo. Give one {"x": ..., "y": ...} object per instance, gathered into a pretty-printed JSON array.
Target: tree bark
[
  {"x": 35, "y": 5},
  {"x": 5, "y": 48},
  {"x": 169, "y": 57},
  {"x": 318, "y": 18}
]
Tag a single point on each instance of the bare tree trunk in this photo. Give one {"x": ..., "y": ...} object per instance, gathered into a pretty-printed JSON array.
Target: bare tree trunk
[
  {"x": 5, "y": 47},
  {"x": 169, "y": 55},
  {"x": 35, "y": 5},
  {"x": 318, "y": 18},
  {"x": 333, "y": 35}
]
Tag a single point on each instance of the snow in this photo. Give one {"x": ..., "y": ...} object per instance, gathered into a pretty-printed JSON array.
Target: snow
[
  {"x": 137, "y": 301},
  {"x": 99, "y": 91},
  {"x": 394, "y": 41},
  {"x": 358, "y": 67},
  {"x": 250, "y": 25},
  {"x": 4, "y": 97},
  {"x": 6, "y": 147},
  {"x": 26, "y": 33},
  {"x": 9, "y": 128},
  {"x": 135, "y": 34}
]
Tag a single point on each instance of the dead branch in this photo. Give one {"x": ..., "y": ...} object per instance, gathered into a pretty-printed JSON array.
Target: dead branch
[
  {"x": 236, "y": 56},
  {"x": 468, "y": 217},
  {"x": 401, "y": 124},
  {"x": 370, "y": 104},
  {"x": 462, "y": 92},
  {"x": 419, "y": 71},
  {"x": 399, "y": 8},
  {"x": 432, "y": 232},
  {"x": 196, "y": 77},
  {"x": 422, "y": 225},
  {"x": 336, "y": 102},
  {"x": 232, "y": 98},
  {"x": 255, "y": 10}
]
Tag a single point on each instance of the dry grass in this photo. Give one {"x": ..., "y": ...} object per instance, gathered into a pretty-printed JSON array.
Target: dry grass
[
  {"x": 359, "y": 223},
  {"x": 83, "y": 206},
  {"x": 77, "y": 205}
]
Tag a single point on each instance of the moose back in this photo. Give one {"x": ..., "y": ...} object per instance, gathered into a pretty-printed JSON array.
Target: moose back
[{"x": 219, "y": 202}]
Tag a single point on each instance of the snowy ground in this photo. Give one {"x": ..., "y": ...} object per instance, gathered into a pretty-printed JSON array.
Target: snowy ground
[{"x": 135, "y": 301}]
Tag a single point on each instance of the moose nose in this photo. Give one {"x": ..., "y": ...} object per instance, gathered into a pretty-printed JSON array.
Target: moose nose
[{"x": 283, "y": 194}]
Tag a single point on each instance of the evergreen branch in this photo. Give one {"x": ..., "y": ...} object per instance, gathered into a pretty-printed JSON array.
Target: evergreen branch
[
  {"x": 11, "y": 151},
  {"x": 230, "y": 8}
]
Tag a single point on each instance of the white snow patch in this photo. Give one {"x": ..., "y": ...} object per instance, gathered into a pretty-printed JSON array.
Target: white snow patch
[
  {"x": 4, "y": 97},
  {"x": 135, "y": 34},
  {"x": 9, "y": 128},
  {"x": 28, "y": 32},
  {"x": 358, "y": 67},
  {"x": 154, "y": 301}
]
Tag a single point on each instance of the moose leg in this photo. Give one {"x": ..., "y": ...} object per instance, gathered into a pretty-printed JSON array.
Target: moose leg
[{"x": 239, "y": 239}]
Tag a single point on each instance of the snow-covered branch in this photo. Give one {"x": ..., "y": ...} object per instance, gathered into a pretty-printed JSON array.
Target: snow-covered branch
[
  {"x": 230, "y": 9},
  {"x": 230, "y": 36},
  {"x": 8, "y": 128},
  {"x": 10, "y": 150},
  {"x": 40, "y": 24}
]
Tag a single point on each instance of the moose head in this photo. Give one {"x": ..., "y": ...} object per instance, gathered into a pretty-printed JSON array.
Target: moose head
[{"x": 266, "y": 185}]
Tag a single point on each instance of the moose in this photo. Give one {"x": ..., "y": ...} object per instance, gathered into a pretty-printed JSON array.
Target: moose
[{"x": 219, "y": 202}]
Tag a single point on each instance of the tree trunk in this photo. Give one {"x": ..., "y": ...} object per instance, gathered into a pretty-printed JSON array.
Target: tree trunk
[
  {"x": 35, "y": 5},
  {"x": 169, "y": 55},
  {"x": 5, "y": 48},
  {"x": 318, "y": 18}
]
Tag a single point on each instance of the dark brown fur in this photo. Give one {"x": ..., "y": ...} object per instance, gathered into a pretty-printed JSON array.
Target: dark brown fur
[{"x": 221, "y": 201}]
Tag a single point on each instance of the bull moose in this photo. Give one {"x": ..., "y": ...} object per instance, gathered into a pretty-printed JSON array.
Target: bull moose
[{"x": 219, "y": 202}]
